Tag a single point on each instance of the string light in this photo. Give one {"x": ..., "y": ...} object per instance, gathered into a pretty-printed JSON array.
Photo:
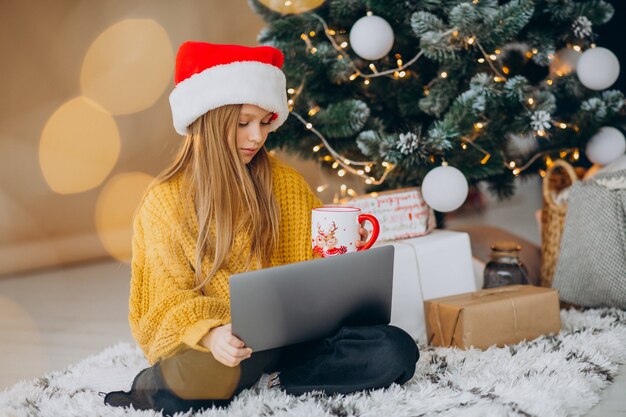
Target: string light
[
  {"x": 463, "y": 145},
  {"x": 531, "y": 101},
  {"x": 366, "y": 82},
  {"x": 485, "y": 159},
  {"x": 309, "y": 126},
  {"x": 311, "y": 33},
  {"x": 471, "y": 40},
  {"x": 512, "y": 164},
  {"x": 563, "y": 125},
  {"x": 481, "y": 60},
  {"x": 291, "y": 91},
  {"x": 316, "y": 148},
  {"x": 549, "y": 82},
  {"x": 344, "y": 44},
  {"x": 576, "y": 48},
  {"x": 335, "y": 165},
  {"x": 313, "y": 50},
  {"x": 322, "y": 188},
  {"x": 353, "y": 77},
  {"x": 373, "y": 68},
  {"x": 493, "y": 57},
  {"x": 313, "y": 111},
  {"x": 478, "y": 125},
  {"x": 443, "y": 74},
  {"x": 341, "y": 172},
  {"x": 576, "y": 155}
]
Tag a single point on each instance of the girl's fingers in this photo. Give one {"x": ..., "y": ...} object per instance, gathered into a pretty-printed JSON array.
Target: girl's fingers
[
  {"x": 238, "y": 353},
  {"x": 225, "y": 358}
]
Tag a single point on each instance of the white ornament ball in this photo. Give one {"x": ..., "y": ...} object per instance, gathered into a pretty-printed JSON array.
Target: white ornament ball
[
  {"x": 606, "y": 146},
  {"x": 371, "y": 37},
  {"x": 597, "y": 68},
  {"x": 444, "y": 188}
]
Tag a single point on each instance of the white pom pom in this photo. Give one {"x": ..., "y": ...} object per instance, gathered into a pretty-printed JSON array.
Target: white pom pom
[
  {"x": 371, "y": 37},
  {"x": 445, "y": 188},
  {"x": 606, "y": 146},
  {"x": 597, "y": 68}
]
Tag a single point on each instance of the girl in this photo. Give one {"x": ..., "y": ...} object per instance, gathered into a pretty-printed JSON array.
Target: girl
[{"x": 226, "y": 206}]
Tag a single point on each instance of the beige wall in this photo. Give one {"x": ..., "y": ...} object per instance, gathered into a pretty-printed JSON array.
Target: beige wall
[{"x": 44, "y": 46}]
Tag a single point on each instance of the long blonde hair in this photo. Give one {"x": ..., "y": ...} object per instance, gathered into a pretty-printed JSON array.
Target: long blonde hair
[{"x": 229, "y": 196}]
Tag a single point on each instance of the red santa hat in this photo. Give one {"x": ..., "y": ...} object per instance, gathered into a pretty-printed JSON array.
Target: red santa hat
[{"x": 210, "y": 75}]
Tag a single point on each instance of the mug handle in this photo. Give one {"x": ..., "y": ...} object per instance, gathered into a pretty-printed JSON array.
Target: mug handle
[{"x": 375, "y": 231}]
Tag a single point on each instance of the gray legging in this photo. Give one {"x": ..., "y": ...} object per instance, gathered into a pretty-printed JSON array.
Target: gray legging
[{"x": 353, "y": 359}]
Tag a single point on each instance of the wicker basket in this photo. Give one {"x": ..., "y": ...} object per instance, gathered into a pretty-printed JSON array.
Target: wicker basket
[{"x": 559, "y": 176}]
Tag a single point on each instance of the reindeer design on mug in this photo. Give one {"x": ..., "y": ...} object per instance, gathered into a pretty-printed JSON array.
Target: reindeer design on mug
[{"x": 326, "y": 243}]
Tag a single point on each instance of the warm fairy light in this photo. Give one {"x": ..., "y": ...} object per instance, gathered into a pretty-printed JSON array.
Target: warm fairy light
[
  {"x": 287, "y": 3},
  {"x": 542, "y": 173},
  {"x": 314, "y": 111},
  {"x": 368, "y": 168},
  {"x": 443, "y": 74},
  {"x": 346, "y": 161},
  {"x": 360, "y": 172},
  {"x": 341, "y": 172},
  {"x": 291, "y": 91},
  {"x": 366, "y": 82},
  {"x": 331, "y": 32},
  {"x": 550, "y": 56},
  {"x": 339, "y": 57},
  {"x": 309, "y": 126},
  {"x": 563, "y": 125},
  {"x": 471, "y": 40},
  {"x": 290, "y": 101},
  {"x": 335, "y": 165},
  {"x": 327, "y": 158},
  {"x": 541, "y": 133},
  {"x": 505, "y": 70},
  {"x": 535, "y": 51},
  {"x": 370, "y": 13},
  {"x": 497, "y": 52},
  {"x": 576, "y": 155},
  {"x": 485, "y": 159},
  {"x": 549, "y": 161},
  {"x": 529, "y": 55},
  {"x": 316, "y": 148},
  {"x": 576, "y": 48},
  {"x": 344, "y": 44},
  {"x": 373, "y": 67},
  {"x": 498, "y": 79},
  {"x": 322, "y": 188},
  {"x": 512, "y": 164},
  {"x": 313, "y": 50},
  {"x": 493, "y": 57},
  {"x": 455, "y": 33},
  {"x": 399, "y": 62},
  {"x": 385, "y": 164},
  {"x": 516, "y": 172},
  {"x": 479, "y": 125},
  {"x": 593, "y": 45},
  {"x": 396, "y": 75},
  {"x": 549, "y": 82},
  {"x": 402, "y": 74},
  {"x": 351, "y": 192},
  {"x": 481, "y": 60},
  {"x": 353, "y": 77},
  {"x": 464, "y": 145},
  {"x": 563, "y": 154},
  {"x": 368, "y": 181},
  {"x": 344, "y": 187},
  {"x": 475, "y": 1},
  {"x": 531, "y": 101},
  {"x": 311, "y": 33},
  {"x": 426, "y": 91},
  {"x": 304, "y": 37}
]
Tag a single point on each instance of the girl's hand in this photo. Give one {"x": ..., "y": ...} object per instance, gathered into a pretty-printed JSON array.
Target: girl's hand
[
  {"x": 363, "y": 232},
  {"x": 225, "y": 347}
]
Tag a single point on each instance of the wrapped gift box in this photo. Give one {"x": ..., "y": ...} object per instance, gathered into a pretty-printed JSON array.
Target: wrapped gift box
[
  {"x": 431, "y": 266},
  {"x": 499, "y": 316},
  {"x": 401, "y": 213}
]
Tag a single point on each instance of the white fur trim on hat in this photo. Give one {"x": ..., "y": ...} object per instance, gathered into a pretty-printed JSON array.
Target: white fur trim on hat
[{"x": 245, "y": 82}]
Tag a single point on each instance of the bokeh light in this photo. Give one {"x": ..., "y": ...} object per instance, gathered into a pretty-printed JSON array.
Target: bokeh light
[
  {"x": 115, "y": 209},
  {"x": 292, "y": 6},
  {"x": 79, "y": 146},
  {"x": 128, "y": 66}
]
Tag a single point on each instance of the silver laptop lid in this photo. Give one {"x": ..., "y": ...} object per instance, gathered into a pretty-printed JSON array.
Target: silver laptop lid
[{"x": 309, "y": 300}]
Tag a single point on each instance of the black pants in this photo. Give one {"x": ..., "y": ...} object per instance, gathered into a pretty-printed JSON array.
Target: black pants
[{"x": 353, "y": 359}]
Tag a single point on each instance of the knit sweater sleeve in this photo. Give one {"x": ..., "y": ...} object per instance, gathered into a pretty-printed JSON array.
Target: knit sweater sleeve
[{"x": 165, "y": 313}]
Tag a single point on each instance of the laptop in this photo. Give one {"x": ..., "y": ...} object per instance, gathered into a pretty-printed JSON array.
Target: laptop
[{"x": 309, "y": 300}]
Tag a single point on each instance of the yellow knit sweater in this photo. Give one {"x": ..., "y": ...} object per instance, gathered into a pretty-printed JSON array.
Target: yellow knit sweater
[{"x": 165, "y": 313}]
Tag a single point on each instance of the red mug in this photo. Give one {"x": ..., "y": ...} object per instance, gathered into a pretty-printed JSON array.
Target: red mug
[{"x": 335, "y": 230}]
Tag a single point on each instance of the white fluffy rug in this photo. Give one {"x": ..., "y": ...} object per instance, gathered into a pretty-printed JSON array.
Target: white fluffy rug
[{"x": 550, "y": 376}]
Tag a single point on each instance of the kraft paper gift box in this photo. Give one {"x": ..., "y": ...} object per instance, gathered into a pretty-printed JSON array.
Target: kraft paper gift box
[
  {"x": 436, "y": 265},
  {"x": 499, "y": 316}
]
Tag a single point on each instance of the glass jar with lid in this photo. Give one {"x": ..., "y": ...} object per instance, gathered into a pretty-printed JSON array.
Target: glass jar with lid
[{"x": 505, "y": 266}]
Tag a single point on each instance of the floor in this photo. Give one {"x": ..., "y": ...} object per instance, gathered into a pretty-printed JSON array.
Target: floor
[{"x": 52, "y": 318}]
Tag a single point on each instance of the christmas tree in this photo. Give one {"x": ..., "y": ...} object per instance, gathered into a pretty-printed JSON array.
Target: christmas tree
[{"x": 390, "y": 89}]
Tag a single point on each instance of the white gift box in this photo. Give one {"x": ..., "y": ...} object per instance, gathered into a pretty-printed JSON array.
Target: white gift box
[{"x": 425, "y": 267}]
